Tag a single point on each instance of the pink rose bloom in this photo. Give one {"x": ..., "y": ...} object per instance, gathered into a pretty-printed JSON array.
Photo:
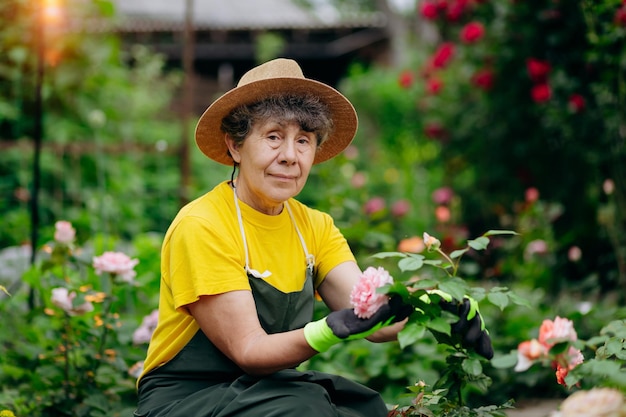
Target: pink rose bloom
[
  {"x": 62, "y": 298},
  {"x": 535, "y": 247},
  {"x": 559, "y": 330},
  {"x": 400, "y": 208},
  {"x": 443, "y": 195},
  {"x": 531, "y": 194},
  {"x": 364, "y": 297},
  {"x": 374, "y": 205},
  {"x": 143, "y": 333},
  {"x": 116, "y": 263},
  {"x": 64, "y": 233}
]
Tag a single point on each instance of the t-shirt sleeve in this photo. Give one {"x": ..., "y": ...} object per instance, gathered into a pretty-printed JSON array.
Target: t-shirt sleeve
[
  {"x": 332, "y": 247},
  {"x": 203, "y": 260}
]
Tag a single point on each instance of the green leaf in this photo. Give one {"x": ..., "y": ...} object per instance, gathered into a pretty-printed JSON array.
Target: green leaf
[
  {"x": 458, "y": 253},
  {"x": 425, "y": 283},
  {"x": 499, "y": 299},
  {"x": 472, "y": 366},
  {"x": 520, "y": 301},
  {"x": 500, "y": 232},
  {"x": 508, "y": 360},
  {"x": 440, "y": 325},
  {"x": 383, "y": 255},
  {"x": 410, "y": 334},
  {"x": 456, "y": 287},
  {"x": 411, "y": 263},
  {"x": 479, "y": 243}
]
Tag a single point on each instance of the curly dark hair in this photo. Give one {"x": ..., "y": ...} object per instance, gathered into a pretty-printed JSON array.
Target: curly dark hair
[{"x": 307, "y": 110}]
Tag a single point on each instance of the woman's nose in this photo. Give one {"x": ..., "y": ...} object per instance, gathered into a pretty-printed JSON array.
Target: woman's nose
[{"x": 288, "y": 151}]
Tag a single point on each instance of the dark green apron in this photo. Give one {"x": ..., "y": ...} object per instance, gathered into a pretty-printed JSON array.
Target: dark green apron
[{"x": 202, "y": 382}]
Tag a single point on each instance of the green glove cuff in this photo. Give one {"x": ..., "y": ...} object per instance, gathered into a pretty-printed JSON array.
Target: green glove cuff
[{"x": 319, "y": 336}]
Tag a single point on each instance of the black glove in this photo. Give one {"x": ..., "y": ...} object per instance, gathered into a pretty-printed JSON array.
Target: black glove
[
  {"x": 470, "y": 328},
  {"x": 345, "y": 322}
]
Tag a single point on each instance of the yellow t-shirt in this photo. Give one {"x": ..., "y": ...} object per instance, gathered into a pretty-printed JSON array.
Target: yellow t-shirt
[{"x": 203, "y": 254}]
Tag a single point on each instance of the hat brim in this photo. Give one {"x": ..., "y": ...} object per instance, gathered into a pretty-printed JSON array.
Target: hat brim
[{"x": 210, "y": 138}]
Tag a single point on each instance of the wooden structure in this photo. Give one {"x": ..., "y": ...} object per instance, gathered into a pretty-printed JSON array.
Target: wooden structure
[{"x": 225, "y": 34}]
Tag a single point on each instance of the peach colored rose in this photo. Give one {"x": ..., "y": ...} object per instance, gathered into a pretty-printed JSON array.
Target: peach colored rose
[
  {"x": 528, "y": 352},
  {"x": 413, "y": 244},
  {"x": 432, "y": 243},
  {"x": 596, "y": 402},
  {"x": 364, "y": 296}
]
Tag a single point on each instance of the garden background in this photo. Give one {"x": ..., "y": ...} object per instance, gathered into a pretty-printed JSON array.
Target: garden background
[{"x": 511, "y": 116}]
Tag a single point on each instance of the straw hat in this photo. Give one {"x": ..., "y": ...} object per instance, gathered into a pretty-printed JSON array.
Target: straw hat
[{"x": 276, "y": 76}]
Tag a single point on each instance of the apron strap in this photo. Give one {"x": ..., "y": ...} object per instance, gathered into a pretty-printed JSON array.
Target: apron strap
[
  {"x": 249, "y": 271},
  {"x": 310, "y": 259}
]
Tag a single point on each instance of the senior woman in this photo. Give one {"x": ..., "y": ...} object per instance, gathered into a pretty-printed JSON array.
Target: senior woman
[{"x": 241, "y": 264}]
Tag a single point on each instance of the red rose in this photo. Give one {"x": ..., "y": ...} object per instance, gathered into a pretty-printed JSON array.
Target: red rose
[
  {"x": 472, "y": 32},
  {"x": 541, "y": 93},
  {"x": 537, "y": 70},
  {"x": 429, "y": 10},
  {"x": 443, "y": 54},
  {"x": 620, "y": 16},
  {"x": 406, "y": 79},
  {"x": 483, "y": 79},
  {"x": 434, "y": 85},
  {"x": 435, "y": 131},
  {"x": 576, "y": 103},
  {"x": 455, "y": 10}
]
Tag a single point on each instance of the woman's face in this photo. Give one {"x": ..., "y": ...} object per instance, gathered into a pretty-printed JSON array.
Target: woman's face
[{"x": 274, "y": 163}]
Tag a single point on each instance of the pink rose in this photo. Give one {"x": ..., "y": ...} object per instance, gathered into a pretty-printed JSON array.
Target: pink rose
[
  {"x": 116, "y": 263},
  {"x": 374, "y": 205},
  {"x": 559, "y": 330},
  {"x": 143, "y": 333},
  {"x": 63, "y": 299},
  {"x": 431, "y": 242},
  {"x": 443, "y": 195},
  {"x": 364, "y": 297},
  {"x": 64, "y": 233},
  {"x": 400, "y": 208},
  {"x": 596, "y": 402}
]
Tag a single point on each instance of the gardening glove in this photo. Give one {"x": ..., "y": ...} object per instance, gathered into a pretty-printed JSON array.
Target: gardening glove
[
  {"x": 470, "y": 330},
  {"x": 345, "y": 325}
]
